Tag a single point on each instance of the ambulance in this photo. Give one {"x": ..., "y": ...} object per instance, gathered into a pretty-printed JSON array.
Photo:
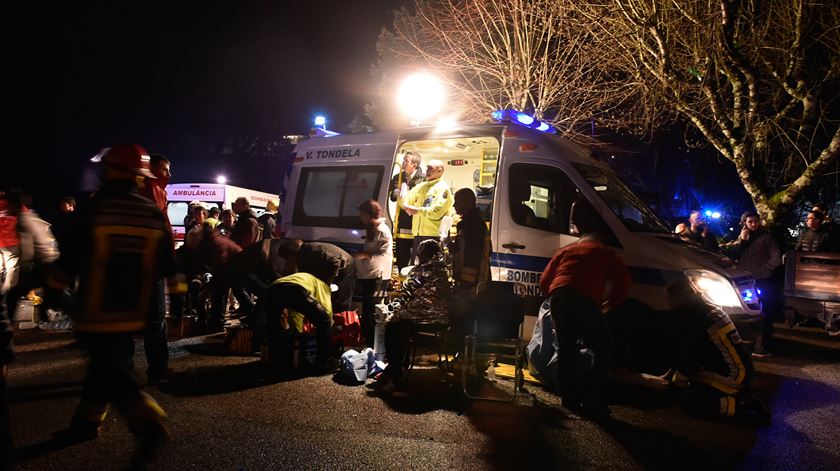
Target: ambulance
[
  {"x": 537, "y": 192},
  {"x": 180, "y": 195}
]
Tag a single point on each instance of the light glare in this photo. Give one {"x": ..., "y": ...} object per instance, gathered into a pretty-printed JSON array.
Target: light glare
[{"x": 421, "y": 96}]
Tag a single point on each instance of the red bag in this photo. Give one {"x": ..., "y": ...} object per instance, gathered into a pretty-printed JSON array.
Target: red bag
[{"x": 347, "y": 329}]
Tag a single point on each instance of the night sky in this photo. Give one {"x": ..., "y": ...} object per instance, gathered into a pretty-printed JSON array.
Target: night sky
[{"x": 176, "y": 77}]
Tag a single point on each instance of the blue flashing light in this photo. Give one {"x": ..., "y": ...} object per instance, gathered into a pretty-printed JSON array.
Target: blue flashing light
[
  {"x": 524, "y": 119},
  {"x": 758, "y": 291},
  {"x": 708, "y": 213},
  {"x": 716, "y": 215},
  {"x": 320, "y": 121},
  {"x": 747, "y": 295}
]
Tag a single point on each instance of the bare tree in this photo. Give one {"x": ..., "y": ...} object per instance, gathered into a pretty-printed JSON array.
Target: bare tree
[
  {"x": 497, "y": 54},
  {"x": 757, "y": 78}
]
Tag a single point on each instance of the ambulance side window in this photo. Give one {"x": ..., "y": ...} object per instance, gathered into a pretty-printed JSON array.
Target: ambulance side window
[
  {"x": 541, "y": 197},
  {"x": 330, "y": 196}
]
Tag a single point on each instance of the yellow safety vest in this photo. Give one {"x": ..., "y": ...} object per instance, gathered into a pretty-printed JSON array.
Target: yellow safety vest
[{"x": 434, "y": 201}]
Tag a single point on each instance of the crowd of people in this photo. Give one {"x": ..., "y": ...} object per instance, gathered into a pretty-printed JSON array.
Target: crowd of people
[{"x": 109, "y": 261}]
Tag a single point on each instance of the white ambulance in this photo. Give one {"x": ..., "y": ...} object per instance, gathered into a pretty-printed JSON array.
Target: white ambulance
[
  {"x": 537, "y": 192},
  {"x": 180, "y": 195}
]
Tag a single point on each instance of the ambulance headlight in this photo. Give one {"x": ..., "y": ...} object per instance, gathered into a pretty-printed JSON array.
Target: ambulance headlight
[{"x": 714, "y": 288}]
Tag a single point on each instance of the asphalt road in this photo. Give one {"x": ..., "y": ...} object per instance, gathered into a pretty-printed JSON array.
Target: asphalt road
[{"x": 225, "y": 414}]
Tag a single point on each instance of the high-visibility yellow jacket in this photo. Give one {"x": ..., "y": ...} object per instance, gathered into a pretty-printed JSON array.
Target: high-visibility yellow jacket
[
  {"x": 316, "y": 288},
  {"x": 434, "y": 201}
]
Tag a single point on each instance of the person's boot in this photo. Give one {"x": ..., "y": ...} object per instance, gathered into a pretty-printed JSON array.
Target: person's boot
[
  {"x": 146, "y": 421},
  {"x": 85, "y": 425}
]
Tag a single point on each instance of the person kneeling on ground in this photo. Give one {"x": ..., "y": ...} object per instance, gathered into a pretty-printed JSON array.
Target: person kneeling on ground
[
  {"x": 423, "y": 300},
  {"x": 303, "y": 295},
  {"x": 714, "y": 368}
]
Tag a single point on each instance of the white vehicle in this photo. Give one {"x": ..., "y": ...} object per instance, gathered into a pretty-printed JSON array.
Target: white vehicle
[
  {"x": 180, "y": 195},
  {"x": 537, "y": 192}
]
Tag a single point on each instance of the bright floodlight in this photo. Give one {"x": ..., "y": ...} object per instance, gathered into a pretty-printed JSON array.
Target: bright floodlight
[
  {"x": 221, "y": 179},
  {"x": 320, "y": 121},
  {"x": 421, "y": 96}
]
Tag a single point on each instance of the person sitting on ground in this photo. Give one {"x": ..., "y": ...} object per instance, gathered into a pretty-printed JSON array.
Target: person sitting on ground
[
  {"x": 714, "y": 368},
  {"x": 423, "y": 300}
]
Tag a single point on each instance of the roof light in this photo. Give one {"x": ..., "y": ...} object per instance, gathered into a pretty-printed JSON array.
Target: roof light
[
  {"x": 708, "y": 212},
  {"x": 320, "y": 121},
  {"x": 715, "y": 214},
  {"x": 421, "y": 96},
  {"x": 221, "y": 179},
  {"x": 523, "y": 119}
]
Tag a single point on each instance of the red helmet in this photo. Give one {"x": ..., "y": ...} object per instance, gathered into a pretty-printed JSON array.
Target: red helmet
[{"x": 129, "y": 158}]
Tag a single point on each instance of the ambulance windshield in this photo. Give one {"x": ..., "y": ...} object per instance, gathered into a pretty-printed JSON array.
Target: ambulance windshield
[{"x": 633, "y": 213}]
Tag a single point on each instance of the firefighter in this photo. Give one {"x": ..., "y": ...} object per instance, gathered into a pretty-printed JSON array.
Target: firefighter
[{"x": 119, "y": 248}]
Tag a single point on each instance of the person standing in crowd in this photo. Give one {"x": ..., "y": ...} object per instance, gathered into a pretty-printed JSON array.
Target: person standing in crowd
[
  {"x": 714, "y": 367},
  {"x": 154, "y": 341},
  {"x": 226, "y": 221},
  {"x": 66, "y": 207},
  {"x": 829, "y": 226},
  {"x": 246, "y": 231},
  {"x": 575, "y": 280},
  {"x": 410, "y": 176},
  {"x": 757, "y": 252},
  {"x": 813, "y": 237},
  {"x": 428, "y": 203},
  {"x": 424, "y": 299},
  {"x": 121, "y": 246},
  {"x": 9, "y": 246},
  {"x": 37, "y": 251},
  {"x": 472, "y": 243},
  {"x": 373, "y": 264},
  {"x": 268, "y": 220},
  {"x": 213, "y": 217},
  {"x": 699, "y": 232}
]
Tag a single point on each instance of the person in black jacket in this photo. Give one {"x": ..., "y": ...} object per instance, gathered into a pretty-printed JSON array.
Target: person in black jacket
[
  {"x": 411, "y": 176},
  {"x": 814, "y": 237}
]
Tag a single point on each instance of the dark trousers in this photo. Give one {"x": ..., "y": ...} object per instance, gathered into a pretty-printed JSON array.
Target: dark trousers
[
  {"x": 257, "y": 319},
  {"x": 771, "y": 307},
  {"x": 291, "y": 296},
  {"x": 577, "y": 316},
  {"x": 397, "y": 334},
  {"x": 403, "y": 251},
  {"x": 371, "y": 292},
  {"x": 701, "y": 400},
  {"x": 154, "y": 338},
  {"x": 416, "y": 245}
]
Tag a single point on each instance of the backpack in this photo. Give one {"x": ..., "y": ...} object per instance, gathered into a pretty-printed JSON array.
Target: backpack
[{"x": 347, "y": 330}]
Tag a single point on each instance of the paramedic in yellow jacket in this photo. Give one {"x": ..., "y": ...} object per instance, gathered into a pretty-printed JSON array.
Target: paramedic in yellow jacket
[
  {"x": 304, "y": 296},
  {"x": 428, "y": 203}
]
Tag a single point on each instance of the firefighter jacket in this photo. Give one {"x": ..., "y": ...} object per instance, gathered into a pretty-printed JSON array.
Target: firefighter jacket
[
  {"x": 433, "y": 200},
  {"x": 119, "y": 248},
  {"x": 712, "y": 352},
  {"x": 404, "y": 219}
]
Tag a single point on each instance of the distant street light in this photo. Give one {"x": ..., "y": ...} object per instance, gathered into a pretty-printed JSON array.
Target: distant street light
[
  {"x": 221, "y": 179},
  {"x": 420, "y": 97}
]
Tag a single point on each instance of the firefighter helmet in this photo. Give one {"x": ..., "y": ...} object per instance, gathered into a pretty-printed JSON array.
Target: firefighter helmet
[{"x": 130, "y": 158}]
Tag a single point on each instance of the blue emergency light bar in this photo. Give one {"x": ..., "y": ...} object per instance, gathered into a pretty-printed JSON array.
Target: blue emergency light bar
[{"x": 523, "y": 119}]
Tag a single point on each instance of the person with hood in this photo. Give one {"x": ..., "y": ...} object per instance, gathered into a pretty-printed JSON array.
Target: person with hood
[
  {"x": 246, "y": 231},
  {"x": 424, "y": 299},
  {"x": 268, "y": 220}
]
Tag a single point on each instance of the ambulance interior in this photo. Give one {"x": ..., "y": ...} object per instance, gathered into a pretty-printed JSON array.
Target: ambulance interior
[{"x": 469, "y": 162}]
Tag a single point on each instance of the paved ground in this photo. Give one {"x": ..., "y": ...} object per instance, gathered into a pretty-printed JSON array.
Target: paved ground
[{"x": 224, "y": 415}]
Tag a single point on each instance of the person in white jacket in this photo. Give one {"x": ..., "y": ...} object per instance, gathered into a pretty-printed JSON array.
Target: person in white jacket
[{"x": 373, "y": 264}]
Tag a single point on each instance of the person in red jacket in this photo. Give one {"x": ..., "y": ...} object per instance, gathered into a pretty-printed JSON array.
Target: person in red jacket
[{"x": 575, "y": 281}]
